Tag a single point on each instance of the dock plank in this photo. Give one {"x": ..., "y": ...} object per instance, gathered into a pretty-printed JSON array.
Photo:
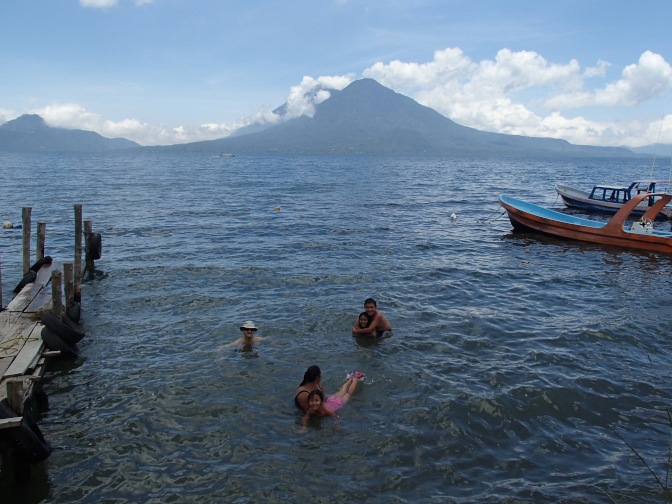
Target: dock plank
[
  {"x": 41, "y": 302},
  {"x": 7, "y": 423},
  {"x": 7, "y": 320},
  {"x": 29, "y": 353},
  {"x": 44, "y": 275},
  {"x": 24, "y": 298},
  {"x": 4, "y": 364},
  {"x": 13, "y": 341}
]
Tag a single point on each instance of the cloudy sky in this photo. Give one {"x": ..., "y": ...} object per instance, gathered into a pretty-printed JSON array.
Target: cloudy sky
[{"x": 167, "y": 71}]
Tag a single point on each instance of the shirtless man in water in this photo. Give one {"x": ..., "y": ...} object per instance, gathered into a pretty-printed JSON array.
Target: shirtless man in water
[
  {"x": 378, "y": 328},
  {"x": 248, "y": 338}
]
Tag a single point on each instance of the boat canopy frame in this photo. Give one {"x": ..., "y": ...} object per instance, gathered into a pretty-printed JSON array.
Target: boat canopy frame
[{"x": 648, "y": 187}]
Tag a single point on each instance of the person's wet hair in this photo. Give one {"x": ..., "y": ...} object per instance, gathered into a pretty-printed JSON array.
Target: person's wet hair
[
  {"x": 370, "y": 301},
  {"x": 316, "y": 393},
  {"x": 368, "y": 319},
  {"x": 309, "y": 376}
]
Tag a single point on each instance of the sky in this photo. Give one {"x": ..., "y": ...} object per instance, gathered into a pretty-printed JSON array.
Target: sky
[{"x": 173, "y": 71}]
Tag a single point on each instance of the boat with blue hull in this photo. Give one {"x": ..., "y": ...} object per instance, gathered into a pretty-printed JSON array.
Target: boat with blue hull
[
  {"x": 608, "y": 198},
  {"x": 529, "y": 217}
]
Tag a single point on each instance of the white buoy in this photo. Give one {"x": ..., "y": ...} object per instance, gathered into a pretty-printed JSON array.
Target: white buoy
[
  {"x": 7, "y": 225},
  {"x": 453, "y": 216}
]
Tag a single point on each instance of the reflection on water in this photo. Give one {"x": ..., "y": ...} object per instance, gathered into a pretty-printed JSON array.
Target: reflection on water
[{"x": 511, "y": 357}]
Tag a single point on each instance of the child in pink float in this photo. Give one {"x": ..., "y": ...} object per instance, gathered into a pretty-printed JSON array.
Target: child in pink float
[{"x": 318, "y": 407}]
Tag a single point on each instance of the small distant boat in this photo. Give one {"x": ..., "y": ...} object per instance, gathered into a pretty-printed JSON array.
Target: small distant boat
[
  {"x": 609, "y": 198},
  {"x": 227, "y": 155},
  {"x": 641, "y": 235}
]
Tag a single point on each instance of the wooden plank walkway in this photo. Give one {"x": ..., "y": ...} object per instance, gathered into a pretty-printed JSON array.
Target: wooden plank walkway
[{"x": 21, "y": 344}]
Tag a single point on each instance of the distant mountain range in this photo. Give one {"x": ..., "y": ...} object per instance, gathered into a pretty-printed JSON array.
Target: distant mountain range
[
  {"x": 663, "y": 150},
  {"x": 29, "y": 133},
  {"x": 367, "y": 117}
]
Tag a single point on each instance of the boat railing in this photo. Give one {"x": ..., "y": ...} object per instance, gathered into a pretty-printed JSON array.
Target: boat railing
[{"x": 617, "y": 221}]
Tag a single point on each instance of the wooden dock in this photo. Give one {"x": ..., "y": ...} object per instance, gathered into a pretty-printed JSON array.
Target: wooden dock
[
  {"x": 23, "y": 355},
  {"x": 21, "y": 345}
]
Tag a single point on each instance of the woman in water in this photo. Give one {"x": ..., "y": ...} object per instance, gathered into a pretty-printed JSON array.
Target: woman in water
[
  {"x": 312, "y": 379},
  {"x": 318, "y": 407},
  {"x": 364, "y": 322}
]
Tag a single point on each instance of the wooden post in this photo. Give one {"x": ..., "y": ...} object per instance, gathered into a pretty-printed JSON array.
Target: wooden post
[
  {"x": 56, "y": 294},
  {"x": 41, "y": 232},
  {"x": 68, "y": 279},
  {"x": 25, "y": 215},
  {"x": 0, "y": 284},
  {"x": 78, "y": 253},
  {"x": 88, "y": 230},
  {"x": 15, "y": 395}
]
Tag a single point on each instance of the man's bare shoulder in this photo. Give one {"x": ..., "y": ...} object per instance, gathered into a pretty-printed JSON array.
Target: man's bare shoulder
[{"x": 384, "y": 322}]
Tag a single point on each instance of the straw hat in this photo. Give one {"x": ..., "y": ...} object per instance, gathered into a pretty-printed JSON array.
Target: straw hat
[{"x": 248, "y": 324}]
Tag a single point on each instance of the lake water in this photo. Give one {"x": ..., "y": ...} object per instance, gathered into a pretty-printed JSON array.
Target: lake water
[{"x": 512, "y": 353}]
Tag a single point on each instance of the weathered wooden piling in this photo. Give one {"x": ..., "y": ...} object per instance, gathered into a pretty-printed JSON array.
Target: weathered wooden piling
[
  {"x": 68, "y": 281},
  {"x": 56, "y": 294},
  {"x": 15, "y": 392},
  {"x": 78, "y": 253},
  {"x": 41, "y": 233},
  {"x": 25, "y": 217}
]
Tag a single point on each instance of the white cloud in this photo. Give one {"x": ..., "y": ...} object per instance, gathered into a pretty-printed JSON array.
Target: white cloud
[
  {"x": 143, "y": 2},
  {"x": 300, "y": 101},
  {"x": 303, "y": 98},
  {"x": 99, "y": 4},
  {"x": 74, "y": 116},
  {"x": 480, "y": 95},
  {"x": 7, "y": 115},
  {"x": 650, "y": 78}
]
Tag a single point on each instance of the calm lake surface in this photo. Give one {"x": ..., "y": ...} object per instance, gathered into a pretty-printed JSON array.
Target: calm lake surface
[{"x": 512, "y": 353}]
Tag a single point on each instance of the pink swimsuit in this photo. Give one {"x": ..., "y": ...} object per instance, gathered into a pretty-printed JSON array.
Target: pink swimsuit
[{"x": 334, "y": 402}]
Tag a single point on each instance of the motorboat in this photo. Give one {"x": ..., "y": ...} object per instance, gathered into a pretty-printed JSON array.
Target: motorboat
[
  {"x": 608, "y": 198},
  {"x": 227, "y": 155},
  {"x": 641, "y": 235}
]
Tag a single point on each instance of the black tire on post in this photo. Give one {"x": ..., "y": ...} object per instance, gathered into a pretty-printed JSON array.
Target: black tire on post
[
  {"x": 27, "y": 439},
  {"x": 95, "y": 246},
  {"x": 67, "y": 330},
  {"x": 27, "y": 278},
  {"x": 54, "y": 342},
  {"x": 74, "y": 313}
]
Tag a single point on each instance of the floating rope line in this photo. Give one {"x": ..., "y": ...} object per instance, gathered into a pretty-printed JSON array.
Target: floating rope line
[
  {"x": 503, "y": 212},
  {"x": 556, "y": 199},
  {"x": 486, "y": 220}
]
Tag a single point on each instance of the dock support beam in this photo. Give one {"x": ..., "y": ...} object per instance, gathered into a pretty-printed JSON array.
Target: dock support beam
[
  {"x": 78, "y": 253},
  {"x": 57, "y": 294},
  {"x": 68, "y": 279},
  {"x": 25, "y": 217},
  {"x": 41, "y": 233},
  {"x": 15, "y": 393}
]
